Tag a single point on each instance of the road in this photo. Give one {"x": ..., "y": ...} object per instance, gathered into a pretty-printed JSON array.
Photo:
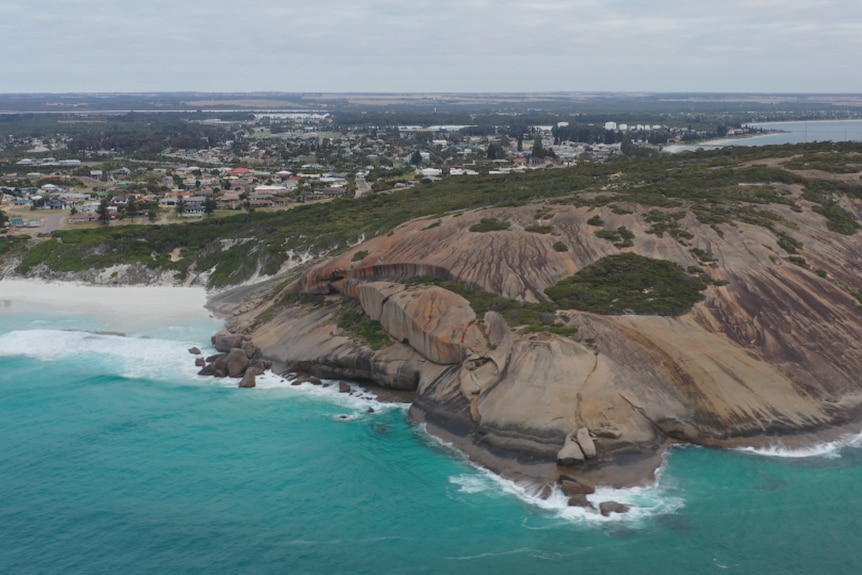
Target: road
[
  {"x": 52, "y": 221},
  {"x": 362, "y": 187}
]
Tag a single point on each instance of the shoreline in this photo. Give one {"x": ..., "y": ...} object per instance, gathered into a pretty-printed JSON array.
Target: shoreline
[{"x": 133, "y": 307}]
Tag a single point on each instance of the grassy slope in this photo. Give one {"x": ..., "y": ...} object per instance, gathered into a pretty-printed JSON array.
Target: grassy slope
[{"x": 706, "y": 183}]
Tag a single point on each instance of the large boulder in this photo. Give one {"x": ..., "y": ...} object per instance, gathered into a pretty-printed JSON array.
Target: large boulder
[
  {"x": 437, "y": 323},
  {"x": 236, "y": 362},
  {"x": 570, "y": 454},
  {"x": 588, "y": 446},
  {"x": 248, "y": 379},
  {"x": 224, "y": 340},
  {"x": 574, "y": 487}
]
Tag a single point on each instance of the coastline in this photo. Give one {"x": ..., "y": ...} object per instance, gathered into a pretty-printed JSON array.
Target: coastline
[{"x": 130, "y": 308}]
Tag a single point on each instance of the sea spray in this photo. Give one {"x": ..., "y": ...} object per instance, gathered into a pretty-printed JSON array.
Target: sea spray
[
  {"x": 644, "y": 501},
  {"x": 827, "y": 449}
]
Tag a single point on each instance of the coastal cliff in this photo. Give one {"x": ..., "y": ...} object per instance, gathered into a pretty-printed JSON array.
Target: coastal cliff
[
  {"x": 772, "y": 350},
  {"x": 554, "y": 325}
]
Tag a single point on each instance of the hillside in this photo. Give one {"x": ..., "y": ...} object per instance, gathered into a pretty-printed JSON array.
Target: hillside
[{"x": 705, "y": 298}]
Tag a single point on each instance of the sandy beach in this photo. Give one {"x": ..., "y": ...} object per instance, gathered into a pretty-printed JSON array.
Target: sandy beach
[{"x": 127, "y": 307}]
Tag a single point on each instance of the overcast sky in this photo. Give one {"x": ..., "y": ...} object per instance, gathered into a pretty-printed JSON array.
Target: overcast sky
[{"x": 431, "y": 46}]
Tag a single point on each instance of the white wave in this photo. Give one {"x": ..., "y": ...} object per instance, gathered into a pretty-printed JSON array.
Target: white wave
[
  {"x": 644, "y": 501},
  {"x": 131, "y": 357},
  {"x": 830, "y": 449},
  {"x": 357, "y": 400}
]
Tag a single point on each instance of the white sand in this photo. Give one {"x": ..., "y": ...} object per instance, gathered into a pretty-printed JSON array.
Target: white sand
[{"x": 127, "y": 307}]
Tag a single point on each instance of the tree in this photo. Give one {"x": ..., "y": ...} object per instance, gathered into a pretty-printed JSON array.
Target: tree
[
  {"x": 181, "y": 206},
  {"x": 538, "y": 150},
  {"x": 496, "y": 151},
  {"x": 416, "y": 158},
  {"x": 104, "y": 212},
  {"x": 209, "y": 205}
]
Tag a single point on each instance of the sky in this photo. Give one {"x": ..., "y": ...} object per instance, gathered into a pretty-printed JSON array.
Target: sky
[{"x": 431, "y": 45}]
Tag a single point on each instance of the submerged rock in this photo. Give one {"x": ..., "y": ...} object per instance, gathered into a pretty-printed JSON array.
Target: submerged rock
[
  {"x": 580, "y": 500},
  {"x": 608, "y": 507}
]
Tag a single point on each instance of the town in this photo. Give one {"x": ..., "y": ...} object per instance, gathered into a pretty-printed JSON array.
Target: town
[{"x": 74, "y": 168}]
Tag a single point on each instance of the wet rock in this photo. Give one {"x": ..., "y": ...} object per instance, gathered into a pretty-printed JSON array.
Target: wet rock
[
  {"x": 237, "y": 362},
  {"x": 200, "y": 362},
  {"x": 248, "y": 379},
  {"x": 343, "y": 387},
  {"x": 225, "y": 340},
  {"x": 571, "y": 487},
  {"x": 207, "y": 370},
  {"x": 194, "y": 351},
  {"x": 608, "y": 507},
  {"x": 212, "y": 358},
  {"x": 580, "y": 500}
]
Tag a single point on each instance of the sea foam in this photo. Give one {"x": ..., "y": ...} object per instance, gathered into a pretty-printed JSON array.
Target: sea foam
[
  {"x": 830, "y": 449},
  {"x": 644, "y": 501},
  {"x": 358, "y": 400},
  {"x": 130, "y": 357}
]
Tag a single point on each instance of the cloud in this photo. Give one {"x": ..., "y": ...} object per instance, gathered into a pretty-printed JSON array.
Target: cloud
[{"x": 469, "y": 45}]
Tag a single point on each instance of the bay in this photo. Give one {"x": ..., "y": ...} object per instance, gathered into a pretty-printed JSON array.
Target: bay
[{"x": 785, "y": 133}]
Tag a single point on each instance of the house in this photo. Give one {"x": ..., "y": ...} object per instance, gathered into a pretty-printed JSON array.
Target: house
[{"x": 239, "y": 172}]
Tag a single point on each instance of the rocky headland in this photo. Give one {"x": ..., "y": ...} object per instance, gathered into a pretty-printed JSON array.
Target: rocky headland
[
  {"x": 770, "y": 353},
  {"x": 560, "y": 327}
]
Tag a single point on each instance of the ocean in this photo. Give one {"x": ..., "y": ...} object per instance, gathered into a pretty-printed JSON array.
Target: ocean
[
  {"x": 787, "y": 133},
  {"x": 116, "y": 458}
]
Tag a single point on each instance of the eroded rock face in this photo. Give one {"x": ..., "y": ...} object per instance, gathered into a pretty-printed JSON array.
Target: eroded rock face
[{"x": 437, "y": 323}]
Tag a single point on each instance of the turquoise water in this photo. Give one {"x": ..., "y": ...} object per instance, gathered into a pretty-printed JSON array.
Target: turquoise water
[{"x": 116, "y": 458}]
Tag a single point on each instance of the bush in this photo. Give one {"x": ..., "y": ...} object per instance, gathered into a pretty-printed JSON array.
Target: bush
[
  {"x": 490, "y": 225},
  {"x": 560, "y": 247},
  {"x": 629, "y": 283}
]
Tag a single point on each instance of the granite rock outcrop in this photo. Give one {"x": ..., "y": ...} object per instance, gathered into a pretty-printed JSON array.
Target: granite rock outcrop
[{"x": 772, "y": 351}]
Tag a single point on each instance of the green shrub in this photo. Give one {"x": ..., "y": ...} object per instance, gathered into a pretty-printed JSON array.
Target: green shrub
[
  {"x": 629, "y": 283},
  {"x": 621, "y": 237},
  {"x": 359, "y": 256},
  {"x": 537, "y": 229},
  {"x": 596, "y": 221},
  {"x": 490, "y": 225},
  {"x": 838, "y": 219},
  {"x": 560, "y": 247}
]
